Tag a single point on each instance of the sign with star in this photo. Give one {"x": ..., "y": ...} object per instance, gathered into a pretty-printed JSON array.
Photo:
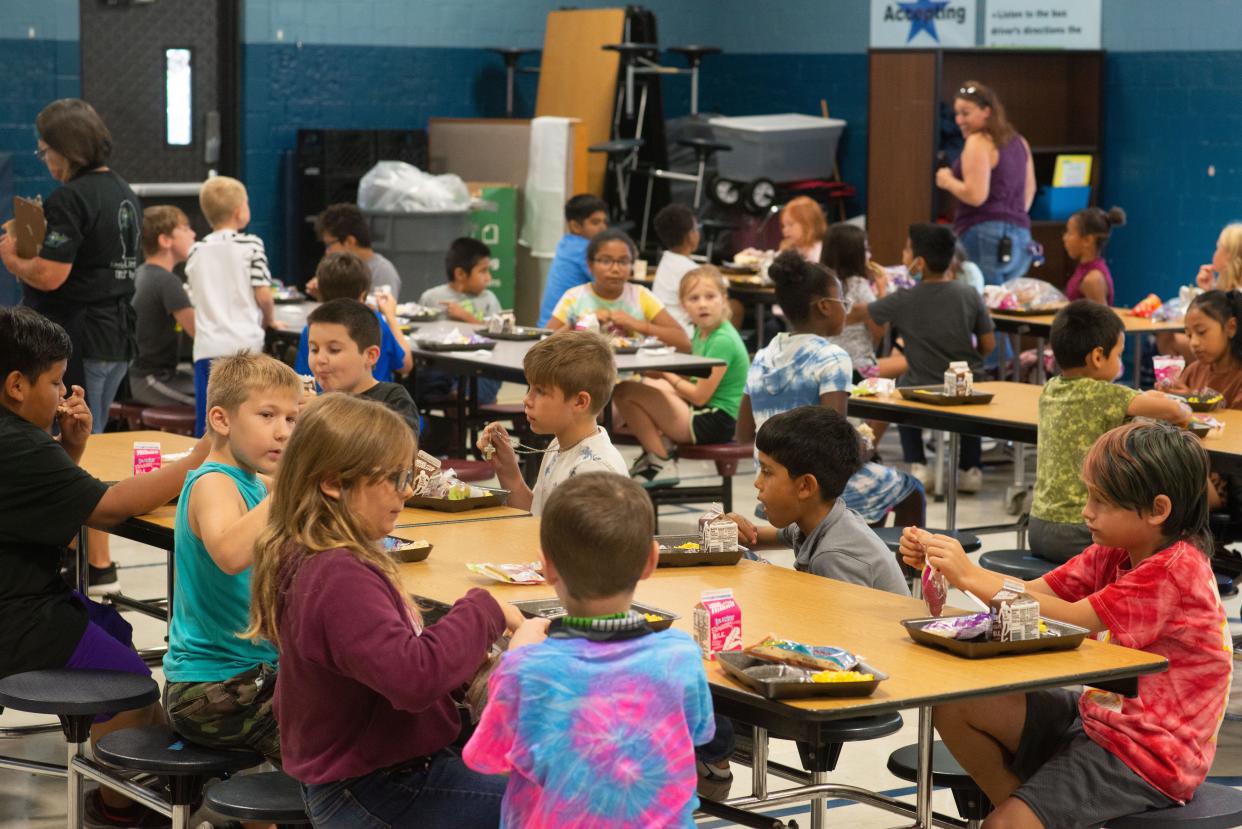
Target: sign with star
[
  {"x": 923, "y": 24},
  {"x": 1046, "y": 24}
]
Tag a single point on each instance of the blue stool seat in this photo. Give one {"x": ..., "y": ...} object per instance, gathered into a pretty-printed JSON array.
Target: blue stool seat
[
  {"x": 1020, "y": 564},
  {"x": 891, "y": 536},
  {"x": 271, "y": 796},
  {"x": 1214, "y": 807},
  {"x": 972, "y": 804}
]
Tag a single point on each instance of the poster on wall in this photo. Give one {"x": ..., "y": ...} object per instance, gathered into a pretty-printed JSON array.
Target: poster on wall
[
  {"x": 1043, "y": 24},
  {"x": 923, "y": 24}
]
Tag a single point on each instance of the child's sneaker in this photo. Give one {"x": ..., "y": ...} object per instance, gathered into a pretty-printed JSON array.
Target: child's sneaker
[
  {"x": 715, "y": 780},
  {"x": 970, "y": 480},
  {"x": 926, "y": 477},
  {"x": 102, "y": 580},
  {"x": 98, "y": 815},
  {"x": 656, "y": 471}
]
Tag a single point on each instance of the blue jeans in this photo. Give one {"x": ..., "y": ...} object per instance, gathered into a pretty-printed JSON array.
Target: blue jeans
[
  {"x": 982, "y": 242},
  {"x": 448, "y": 795},
  {"x": 102, "y": 378},
  {"x": 202, "y": 371}
]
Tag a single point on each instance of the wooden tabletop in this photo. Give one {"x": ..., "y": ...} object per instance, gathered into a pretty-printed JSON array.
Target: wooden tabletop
[
  {"x": 1040, "y": 324},
  {"x": 793, "y": 605},
  {"x": 110, "y": 456}
]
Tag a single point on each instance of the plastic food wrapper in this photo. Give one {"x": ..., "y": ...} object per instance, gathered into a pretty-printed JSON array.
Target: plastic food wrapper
[
  {"x": 456, "y": 337},
  {"x": 970, "y": 626},
  {"x": 815, "y": 657},
  {"x": 1167, "y": 368},
  {"x": 1022, "y": 294},
  {"x": 935, "y": 590},
  {"x": 529, "y": 573},
  {"x": 874, "y": 385},
  {"x": 398, "y": 187},
  {"x": 1147, "y": 306},
  {"x": 1210, "y": 422},
  {"x": 1174, "y": 309}
]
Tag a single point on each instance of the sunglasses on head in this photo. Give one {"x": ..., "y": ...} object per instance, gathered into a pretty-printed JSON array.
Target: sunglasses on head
[{"x": 975, "y": 94}]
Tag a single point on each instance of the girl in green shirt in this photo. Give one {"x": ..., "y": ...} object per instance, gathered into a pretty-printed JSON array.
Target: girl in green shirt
[{"x": 681, "y": 409}]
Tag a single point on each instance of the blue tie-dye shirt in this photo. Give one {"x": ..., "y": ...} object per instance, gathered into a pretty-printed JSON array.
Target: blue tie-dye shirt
[
  {"x": 596, "y": 734},
  {"x": 794, "y": 370}
]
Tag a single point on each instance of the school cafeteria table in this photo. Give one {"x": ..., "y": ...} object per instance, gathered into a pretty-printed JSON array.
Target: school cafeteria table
[
  {"x": 1039, "y": 326},
  {"x": 809, "y": 609}
]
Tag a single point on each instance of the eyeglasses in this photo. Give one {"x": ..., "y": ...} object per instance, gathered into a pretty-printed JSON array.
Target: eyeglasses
[
  {"x": 606, "y": 262},
  {"x": 41, "y": 153},
  {"x": 846, "y": 304},
  {"x": 403, "y": 479}
]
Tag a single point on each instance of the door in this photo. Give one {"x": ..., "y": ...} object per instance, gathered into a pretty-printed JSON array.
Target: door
[{"x": 164, "y": 75}]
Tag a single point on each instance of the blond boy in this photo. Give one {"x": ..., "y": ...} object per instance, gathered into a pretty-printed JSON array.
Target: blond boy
[
  {"x": 571, "y": 375},
  {"x": 219, "y": 689},
  {"x": 230, "y": 283}
]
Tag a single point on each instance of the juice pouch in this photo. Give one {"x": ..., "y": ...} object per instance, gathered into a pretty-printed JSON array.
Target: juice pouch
[{"x": 935, "y": 590}]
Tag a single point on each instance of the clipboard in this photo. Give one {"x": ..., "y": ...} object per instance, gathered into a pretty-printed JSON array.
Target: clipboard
[{"x": 28, "y": 226}]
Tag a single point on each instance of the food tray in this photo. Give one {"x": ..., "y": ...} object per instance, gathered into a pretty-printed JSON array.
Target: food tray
[
  {"x": 552, "y": 609},
  {"x": 418, "y": 552},
  {"x": 1039, "y": 311},
  {"x": 776, "y": 681},
  {"x": 432, "y": 610},
  {"x": 1202, "y": 407},
  {"x": 935, "y": 396},
  {"x": 519, "y": 334},
  {"x": 694, "y": 558},
  {"x": 1070, "y": 637},
  {"x": 1199, "y": 430},
  {"x": 738, "y": 268},
  {"x": 493, "y": 498},
  {"x": 625, "y": 349},
  {"x": 433, "y": 345}
]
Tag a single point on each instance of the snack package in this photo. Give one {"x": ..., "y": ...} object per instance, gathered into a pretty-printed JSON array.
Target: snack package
[
  {"x": 815, "y": 657},
  {"x": 502, "y": 323},
  {"x": 1014, "y": 613},
  {"x": 717, "y": 531},
  {"x": 717, "y": 623},
  {"x": 1148, "y": 306},
  {"x": 961, "y": 627},
  {"x": 873, "y": 386},
  {"x": 1168, "y": 369},
  {"x": 531, "y": 573},
  {"x": 958, "y": 380},
  {"x": 147, "y": 457},
  {"x": 935, "y": 590}
]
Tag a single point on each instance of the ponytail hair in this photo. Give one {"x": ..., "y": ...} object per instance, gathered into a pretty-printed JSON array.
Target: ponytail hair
[
  {"x": 1223, "y": 306},
  {"x": 1092, "y": 221},
  {"x": 800, "y": 283},
  {"x": 1132, "y": 464}
]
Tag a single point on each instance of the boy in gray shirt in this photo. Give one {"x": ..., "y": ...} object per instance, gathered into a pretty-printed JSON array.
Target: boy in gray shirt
[
  {"x": 161, "y": 306},
  {"x": 806, "y": 456}
]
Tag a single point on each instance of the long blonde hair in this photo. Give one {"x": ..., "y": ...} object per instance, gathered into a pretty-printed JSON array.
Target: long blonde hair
[
  {"x": 345, "y": 440},
  {"x": 1231, "y": 241}
]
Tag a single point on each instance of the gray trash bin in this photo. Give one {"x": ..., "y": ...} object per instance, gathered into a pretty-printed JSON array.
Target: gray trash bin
[{"x": 416, "y": 244}]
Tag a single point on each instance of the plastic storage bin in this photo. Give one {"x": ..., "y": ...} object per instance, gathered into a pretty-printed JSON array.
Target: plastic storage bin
[
  {"x": 416, "y": 244},
  {"x": 1059, "y": 203},
  {"x": 788, "y": 147}
]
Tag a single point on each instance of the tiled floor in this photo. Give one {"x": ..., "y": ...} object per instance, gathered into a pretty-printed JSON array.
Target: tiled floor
[{"x": 29, "y": 801}]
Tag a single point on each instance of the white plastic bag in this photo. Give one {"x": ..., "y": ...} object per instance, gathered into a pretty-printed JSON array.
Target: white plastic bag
[{"x": 398, "y": 187}]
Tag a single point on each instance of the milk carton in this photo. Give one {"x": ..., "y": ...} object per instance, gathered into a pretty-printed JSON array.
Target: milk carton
[
  {"x": 717, "y": 532},
  {"x": 146, "y": 457},
  {"x": 1015, "y": 615},
  {"x": 717, "y": 623},
  {"x": 958, "y": 381}
]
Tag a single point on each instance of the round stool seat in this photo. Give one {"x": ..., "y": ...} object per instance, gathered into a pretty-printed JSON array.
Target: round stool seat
[
  {"x": 271, "y": 796},
  {"x": 160, "y": 750},
  {"x": 1225, "y": 585},
  {"x": 704, "y": 146},
  {"x": 469, "y": 471},
  {"x": 715, "y": 225},
  {"x": 67, "y": 692},
  {"x": 128, "y": 413},
  {"x": 617, "y": 146},
  {"x": 904, "y": 763},
  {"x": 1214, "y": 807},
  {"x": 694, "y": 53},
  {"x": 715, "y": 451},
  {"x": 176, "y": 419},
  {"x": 510, "y": 52},
  {"x": 891, "y": 536},
  {"x": 1018, "y": 563},
  {"x": 855, "y": 729},
  {"x": 631, "y": 50}
]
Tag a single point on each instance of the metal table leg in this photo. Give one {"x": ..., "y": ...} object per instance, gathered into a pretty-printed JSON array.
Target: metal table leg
[
  {"x": 1138, "y": 358},
  {"x": 819, "y": 805},
  {"x": 923, "y": 797},
  {"x": 759, "y": 764},
  {"x": 760, "y": 321},
  {"x": 950, "y": 495}
]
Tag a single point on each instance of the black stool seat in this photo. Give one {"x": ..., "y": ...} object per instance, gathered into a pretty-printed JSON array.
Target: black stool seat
[
  {"x": 631, "y": 50},
  {"x": 617, "y": 146},
  {"x": 510, "y": 53},
  {"x": 972, "y": 803},
  {"x": 704, "y": 146},
  {"x": 1225, "y": 585},
  {"x": 77, "y": 693},
  {"x": 715, "y": 225},
  {"x": 1214, "y": 807},
  {"x": 856, "y": 729},
  {"x": 271, "y": 796},
  {"x": 891, "y": 536},
  {"x": 694, "y": 53},
  {"x": 160, "y": 750},
  {"x": 1021, "y": 564}
]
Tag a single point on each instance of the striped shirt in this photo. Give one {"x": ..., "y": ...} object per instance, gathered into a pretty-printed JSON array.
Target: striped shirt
[{"x": 224, "y": 269}]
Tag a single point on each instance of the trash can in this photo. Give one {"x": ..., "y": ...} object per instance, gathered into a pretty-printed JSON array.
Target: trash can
[
  {"x": 786, "y": 147},
  {"x": 416, "y": 243}
]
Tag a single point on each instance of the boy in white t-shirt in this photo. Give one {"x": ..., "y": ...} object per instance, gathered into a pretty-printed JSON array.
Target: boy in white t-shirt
[
  {"x": 678, "y": 230},
  {"x": 230, "y": 283},
  {"x": 571, "y": 375}
]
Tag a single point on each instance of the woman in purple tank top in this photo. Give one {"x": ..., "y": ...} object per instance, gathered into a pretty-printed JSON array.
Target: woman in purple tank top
[{"x": 994, "y": 183}]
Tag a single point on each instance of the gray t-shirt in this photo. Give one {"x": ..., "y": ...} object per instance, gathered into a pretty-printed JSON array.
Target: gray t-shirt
[
  {"x": 157, "y": 294},
  {"x": 482, "y": 305},
  {"x": 936, "y": 321},
  {"x": 843, "y": 547},
  {"x": 384, "y": 272}
]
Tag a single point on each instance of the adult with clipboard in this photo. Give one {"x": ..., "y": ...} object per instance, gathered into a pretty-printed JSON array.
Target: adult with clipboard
[
  {"x": 83, "y": 276},
  {"x": 994, "y": 183}
]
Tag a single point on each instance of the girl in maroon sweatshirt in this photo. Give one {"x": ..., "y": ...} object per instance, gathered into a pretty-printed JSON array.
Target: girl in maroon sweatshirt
[{"x": 364, "y": 694}]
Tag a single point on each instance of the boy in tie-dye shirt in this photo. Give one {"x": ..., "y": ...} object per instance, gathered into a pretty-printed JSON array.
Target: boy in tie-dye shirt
[{"x": 597, "y": 725}]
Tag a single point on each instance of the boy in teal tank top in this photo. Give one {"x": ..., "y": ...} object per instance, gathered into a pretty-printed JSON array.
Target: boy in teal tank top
[{"x": 220, "y": 687}]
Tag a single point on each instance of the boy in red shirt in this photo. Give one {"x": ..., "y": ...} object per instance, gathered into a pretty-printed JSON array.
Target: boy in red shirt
[{"x": 1062, "y": 759}]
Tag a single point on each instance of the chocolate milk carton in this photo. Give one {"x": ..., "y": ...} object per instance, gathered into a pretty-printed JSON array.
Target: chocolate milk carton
[
  {"x": 717, "y": 623},
  {"x": 1015, "y": 615},
  {"x": 147, "y": 457},
  {"x": 958, "y": 381},
  {"x": 717, "y": 532}
]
